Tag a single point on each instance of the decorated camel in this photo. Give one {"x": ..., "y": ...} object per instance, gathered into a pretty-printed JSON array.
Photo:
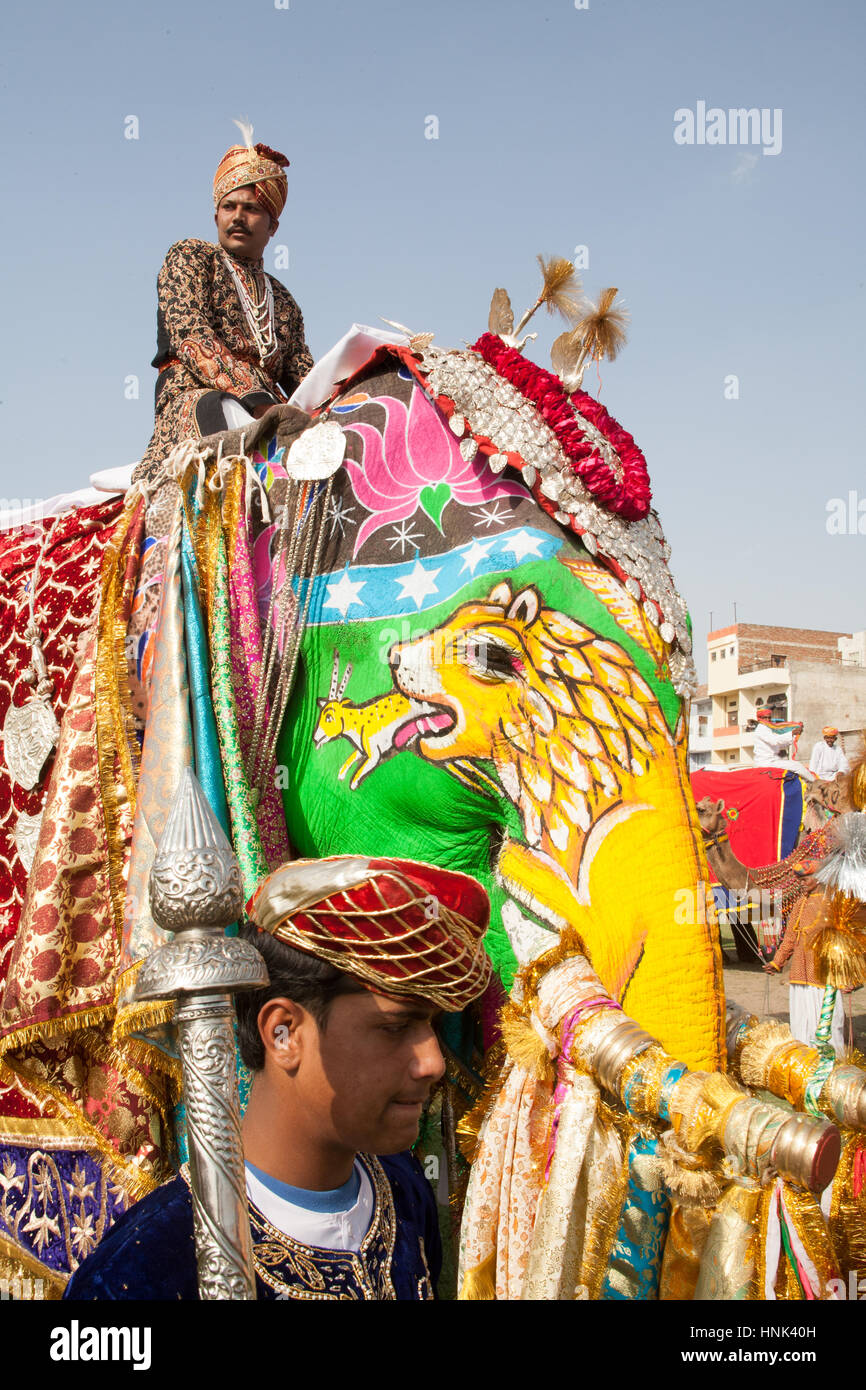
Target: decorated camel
[{"x": 436, "y": 622}]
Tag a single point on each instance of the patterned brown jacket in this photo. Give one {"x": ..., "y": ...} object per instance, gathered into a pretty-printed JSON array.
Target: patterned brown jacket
[{"x": 205, "y": 349}]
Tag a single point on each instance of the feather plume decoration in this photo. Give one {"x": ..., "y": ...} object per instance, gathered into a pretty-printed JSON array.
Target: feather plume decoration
[
  {"x": 845, "y": 866},
  {"x": 603, "y": 330},
  {"x": 561, "y": 285},
  {"x": 501, "y": 317},
  {"x": 246, "y": 131}
]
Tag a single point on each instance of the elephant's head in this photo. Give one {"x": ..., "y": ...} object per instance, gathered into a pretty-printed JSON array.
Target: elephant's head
[{"x": 511, "y": 708}]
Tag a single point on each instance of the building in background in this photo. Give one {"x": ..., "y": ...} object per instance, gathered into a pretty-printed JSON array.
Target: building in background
[
  {"x": 802, "y": 674},
  {"x": 700, "y": 729}
]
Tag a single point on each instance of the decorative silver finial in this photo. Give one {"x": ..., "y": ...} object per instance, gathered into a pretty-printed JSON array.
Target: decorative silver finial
[
  {"x": 195, "y": 880},
  {"x": 195, "y": 891}
]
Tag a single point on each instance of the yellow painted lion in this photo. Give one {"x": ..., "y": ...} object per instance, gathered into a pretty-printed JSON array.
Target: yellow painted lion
[{"x": 582, "y": 749}]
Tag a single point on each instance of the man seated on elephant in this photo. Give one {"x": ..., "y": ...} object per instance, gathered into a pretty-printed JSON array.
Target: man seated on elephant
[
  {"x": 362, "y": 954},
  {"x": 230, "y": 338}
]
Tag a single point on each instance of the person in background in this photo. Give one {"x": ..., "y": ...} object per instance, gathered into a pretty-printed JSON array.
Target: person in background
[
  {"x": 769, "y": 742},
  {"x": 827, "y": 757}
]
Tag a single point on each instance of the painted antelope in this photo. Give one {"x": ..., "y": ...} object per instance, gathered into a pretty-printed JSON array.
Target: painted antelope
[{"x": 369, "y": 727}]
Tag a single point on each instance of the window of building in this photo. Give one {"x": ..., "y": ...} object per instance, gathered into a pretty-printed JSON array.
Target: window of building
[
  {"x": 776, "y": 659},
  {"x": 731, "y": 652},
  {"x": 712, "y": 656}
]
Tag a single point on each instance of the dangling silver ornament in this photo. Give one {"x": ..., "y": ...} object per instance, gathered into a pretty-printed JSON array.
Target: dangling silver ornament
[
  {"x": 30, "y": 732},
  {"x": 26, "y": 837},
  {"x": 317, "y": 453}
]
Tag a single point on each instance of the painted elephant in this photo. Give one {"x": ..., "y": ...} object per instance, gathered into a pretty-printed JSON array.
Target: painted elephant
[
  {"x": 479, "y": 690},
  {"x": 490, "y": 664}
]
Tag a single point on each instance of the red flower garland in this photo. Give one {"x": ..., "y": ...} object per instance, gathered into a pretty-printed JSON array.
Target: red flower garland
[{"x": 630, "y": 498}]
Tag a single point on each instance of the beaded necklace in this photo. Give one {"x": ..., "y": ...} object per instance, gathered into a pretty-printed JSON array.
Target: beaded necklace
[{"x": 258, "y": 312}]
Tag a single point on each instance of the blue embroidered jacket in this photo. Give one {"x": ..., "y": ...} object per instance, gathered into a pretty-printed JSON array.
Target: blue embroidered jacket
[{"x": 150, "y": 1252}]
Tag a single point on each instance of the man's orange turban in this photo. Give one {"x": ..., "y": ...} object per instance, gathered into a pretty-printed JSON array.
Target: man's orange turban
[
  {"x": 258, "y": 165},
  {"x": 401, "y": 927}
]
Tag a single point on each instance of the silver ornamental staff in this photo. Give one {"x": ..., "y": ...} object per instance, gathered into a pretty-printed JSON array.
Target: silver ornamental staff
[{"x": 195, "y": 891}]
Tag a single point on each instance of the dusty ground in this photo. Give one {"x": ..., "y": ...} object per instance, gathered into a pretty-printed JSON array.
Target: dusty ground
[{"x": 767, "y": 995}]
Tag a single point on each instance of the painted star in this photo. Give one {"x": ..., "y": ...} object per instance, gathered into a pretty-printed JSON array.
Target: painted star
[
  {"x": 522, "y": 544},
  {"x": 342, "y": 593},
  {"x": 474, "y": 554},
  {"x": 418, "y": 584},
  {"x": 491, "y": 515},
  {"x": 404, "y": 535},
  {"x": 338, "y": 514}
]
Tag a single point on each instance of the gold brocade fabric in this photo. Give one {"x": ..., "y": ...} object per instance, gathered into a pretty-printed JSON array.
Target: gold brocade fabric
[
  {"x": 728, "y": 1261},
  {"x": 65, "y": 952},
  {"x": 58, "y": 1008},
  {"x": 564, "y": 1221},
  {"x": 848, "y": 1209},
  {"x": 507, "y": 1177},
  {"x": 687, "y": 1235},
  {"x": 505, "y": 1183},
  {"x": 809, "y": 1241},
  {"x": 167, "y": 751}
]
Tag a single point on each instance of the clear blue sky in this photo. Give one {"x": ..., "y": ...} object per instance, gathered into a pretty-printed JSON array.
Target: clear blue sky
[{"x": 556, "y": 129}]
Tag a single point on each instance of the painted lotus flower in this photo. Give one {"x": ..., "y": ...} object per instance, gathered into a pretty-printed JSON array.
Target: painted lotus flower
[{"x": 416, "y": 462}]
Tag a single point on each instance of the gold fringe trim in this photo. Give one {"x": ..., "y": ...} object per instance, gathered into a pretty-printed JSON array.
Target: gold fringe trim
[
  {"x": 19, "y": 1264},
  {"x": 847, "y": 1220},
  {"x": 525, "y": 1047},
  {"x": 479, "y": 1284},
  {"x": 599, "y": 1240},
  {"x": 570, "y": 944},
  {"x": 148, "y": 1054},
  {"x": 468, "y": 1128},
  {"x": 115, "y": 727},
  {"x": 762, "y": 1054},
  {"x": 689, "y": 1183},
  {"x": 809, "y": 1221},
  {"x": 60, "y": 1029},
  {"x": 55, "y": 1028},
  {"x": 134, "y": 1018},
  {"x": 131, "y": 1177}
]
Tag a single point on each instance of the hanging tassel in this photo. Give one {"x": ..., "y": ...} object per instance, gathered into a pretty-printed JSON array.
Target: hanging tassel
[
  {"x": 525, "y": 1046},
  {"x": 840, "y": 949},
  {"x": 479, "y": 1284},
  {"x": 689, "y": 1183}
]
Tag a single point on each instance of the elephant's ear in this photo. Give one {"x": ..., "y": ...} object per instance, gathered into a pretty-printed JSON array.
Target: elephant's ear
[
  {"x": 501, "y": 594},
  {"x": 525, "y": 607}
]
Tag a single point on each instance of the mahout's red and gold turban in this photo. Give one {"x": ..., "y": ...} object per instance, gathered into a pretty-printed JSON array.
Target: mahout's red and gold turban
[
  {"x": 258, "y": 165},
  {"x": 403, "y": 928}
]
